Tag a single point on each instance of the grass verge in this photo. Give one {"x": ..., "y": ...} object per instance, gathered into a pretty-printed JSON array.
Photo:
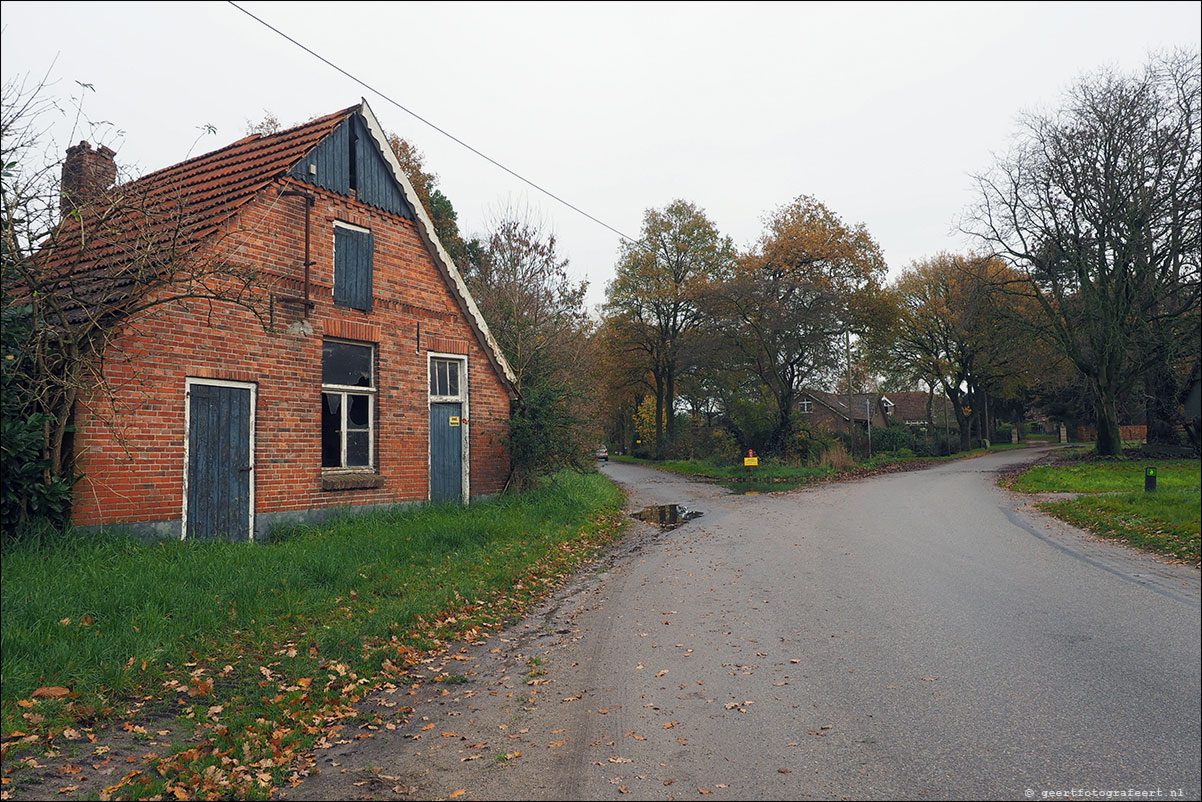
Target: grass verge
[
  {"x": 1168, "y": 521},
  {"x": 250, "y": 655},
  {"x": 772, "y": 476},
  {"x": 1107, "y": 476}
]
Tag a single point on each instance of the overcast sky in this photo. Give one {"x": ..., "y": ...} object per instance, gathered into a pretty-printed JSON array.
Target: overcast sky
[{"x": 880, "y": 111}]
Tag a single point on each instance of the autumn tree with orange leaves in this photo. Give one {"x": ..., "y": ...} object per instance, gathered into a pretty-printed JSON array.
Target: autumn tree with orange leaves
[
  {"x": 789, "y": 302},
  {"x": 656, "y": 298}
]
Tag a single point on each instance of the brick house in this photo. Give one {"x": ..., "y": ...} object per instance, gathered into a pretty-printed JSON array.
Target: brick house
[{"x": 368, "y": 378}]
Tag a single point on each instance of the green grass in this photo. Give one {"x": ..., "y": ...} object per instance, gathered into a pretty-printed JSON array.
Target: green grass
[
  {"x": 1168, "y": 521},
  {"x": 191, "y": 625},
  {"x": 772, "y": 476},
  {"x": 769, "y": 475},
  {"x": 1108, "y": 476}
]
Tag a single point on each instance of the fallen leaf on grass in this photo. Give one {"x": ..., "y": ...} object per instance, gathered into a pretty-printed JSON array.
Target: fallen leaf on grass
[{"x": 51, "y": 692}]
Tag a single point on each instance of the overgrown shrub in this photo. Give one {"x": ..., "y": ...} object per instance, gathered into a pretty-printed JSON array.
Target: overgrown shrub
[
  {"x": 544, "y": 435},
  {"x": 893, "y": 438},
  {"x": 836, "y": 458},
  {"x": 811, "y": 444},
  {"x": 30, "y": 498}
]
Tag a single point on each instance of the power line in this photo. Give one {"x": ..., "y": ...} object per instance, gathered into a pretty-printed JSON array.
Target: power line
[{"x": 442, "y": 131}]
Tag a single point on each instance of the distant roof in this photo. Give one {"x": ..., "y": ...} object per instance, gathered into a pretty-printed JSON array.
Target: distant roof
[
  {"x": 838, "y": 402},
  {"x": 910, "y": 405}
]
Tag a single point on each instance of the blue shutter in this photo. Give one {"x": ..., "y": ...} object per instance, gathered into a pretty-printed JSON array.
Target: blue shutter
[{"x": 352, "y": 268}]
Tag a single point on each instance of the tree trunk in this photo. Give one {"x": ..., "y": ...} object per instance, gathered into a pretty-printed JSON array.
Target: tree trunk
[
  {"x": 659, "y": 416},
  {"x": 1109, "y": 442},
  {"x": 782, "y": 434},
  {"x": 1160, "y": 398},
  {"x": 670, "y": 402}
]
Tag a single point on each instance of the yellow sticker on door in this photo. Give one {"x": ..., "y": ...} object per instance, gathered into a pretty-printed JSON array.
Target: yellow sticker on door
[{"x": 454, "y": 420}]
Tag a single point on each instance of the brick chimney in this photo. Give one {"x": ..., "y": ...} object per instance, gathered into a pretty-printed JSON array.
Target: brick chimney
[{"x": 87, "y": 174}]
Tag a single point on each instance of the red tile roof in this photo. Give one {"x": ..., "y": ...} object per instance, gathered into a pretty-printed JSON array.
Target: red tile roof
[
  {"x": 164, "y": 216},
  {"x": 908, "y": 406}
]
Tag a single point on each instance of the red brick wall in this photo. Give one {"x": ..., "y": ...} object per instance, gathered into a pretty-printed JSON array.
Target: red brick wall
[
  {"x": 1136, "y": 433},
  {"x": 130, "y": 446}
]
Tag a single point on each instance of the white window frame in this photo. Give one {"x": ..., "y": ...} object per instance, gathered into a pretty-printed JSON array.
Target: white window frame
[
  {"x": 806, "y": 406},
  {"x": 254, "y": 392},
  {"x": 344, "y": 390},
  {"x": 461, "y": 398}
]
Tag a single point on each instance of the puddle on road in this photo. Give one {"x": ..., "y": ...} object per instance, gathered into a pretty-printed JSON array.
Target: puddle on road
[{"x": 669, "y": 516}]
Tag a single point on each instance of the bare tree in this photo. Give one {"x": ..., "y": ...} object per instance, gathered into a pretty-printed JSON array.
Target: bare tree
[
  {"x": 521, "y": 285},
  {"x": 77, "y": 269},
  {"x": 1098, "y": 206}
]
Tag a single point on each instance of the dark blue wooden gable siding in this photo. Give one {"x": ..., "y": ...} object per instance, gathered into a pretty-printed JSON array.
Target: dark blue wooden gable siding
[
  {"x": 377, "y": 186},
  {"x": 373, "y": 177},
  {"x": 352, "y": 268},
  {"x": 332, "y": 160}
]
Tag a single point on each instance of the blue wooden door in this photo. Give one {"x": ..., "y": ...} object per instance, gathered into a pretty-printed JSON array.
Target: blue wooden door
[
  {"x": 219, "y": 461},
  {"x": 446, "y": 452}
]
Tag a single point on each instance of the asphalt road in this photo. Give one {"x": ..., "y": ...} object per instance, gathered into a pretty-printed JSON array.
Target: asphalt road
[{"x": 915, "y": 635}]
